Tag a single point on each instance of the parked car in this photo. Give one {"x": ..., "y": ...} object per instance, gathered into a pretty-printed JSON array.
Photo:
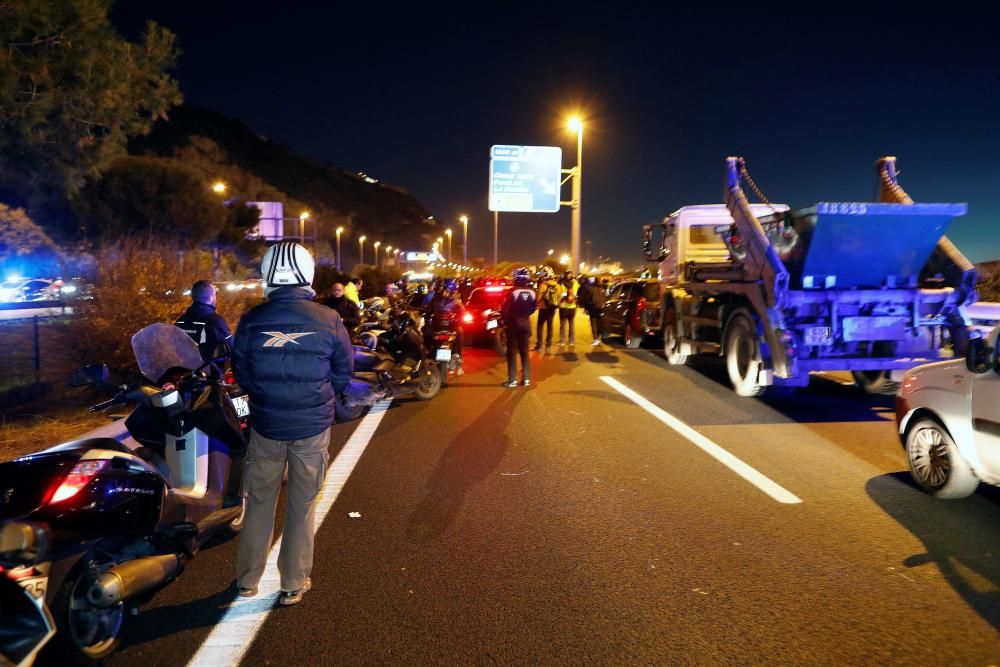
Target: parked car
[
  {"x": 632, "y": 311},
  {"x": 21, "y": 290},
  {"x": 481, "y": 303},
  {"x": 948, "y": 421}
]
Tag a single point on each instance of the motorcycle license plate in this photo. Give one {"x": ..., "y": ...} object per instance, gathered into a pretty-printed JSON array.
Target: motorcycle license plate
[
  {"x": 492, "y": 324},
  {"x": 443, "y": 354},
  {"x": 242, "y": 405}
]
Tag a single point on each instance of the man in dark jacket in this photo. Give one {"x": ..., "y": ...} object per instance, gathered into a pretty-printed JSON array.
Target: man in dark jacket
[
  {"x": 347, "y": 309},
  {"x": 445, "y": 306},
  {"x": 518, "y": 305},
  {"x": 200, "y": 321},
  {"x": 293, "y": 357}
]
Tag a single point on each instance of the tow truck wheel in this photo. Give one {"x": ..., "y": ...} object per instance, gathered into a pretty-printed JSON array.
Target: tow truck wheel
[
  {"x": 742, "y": 355},
  {"x": 935, "y": 462},
  {"x": 671, "y": 346},
  {"x": 875, "y": 382}
]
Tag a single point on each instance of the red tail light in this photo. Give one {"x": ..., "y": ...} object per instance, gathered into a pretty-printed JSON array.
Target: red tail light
[
  {"x": 443, "y": 336},
  {"x": 640, "y": 305},
  {"x": 79, "y": 477},
  {"x": 467, "y": 318}
]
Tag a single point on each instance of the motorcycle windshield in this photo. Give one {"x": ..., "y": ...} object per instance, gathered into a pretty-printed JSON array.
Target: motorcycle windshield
[{"x": 160, "y": 347}]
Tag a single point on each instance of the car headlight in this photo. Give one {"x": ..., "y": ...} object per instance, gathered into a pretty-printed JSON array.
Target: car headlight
[{"x": 69, "y": 289}]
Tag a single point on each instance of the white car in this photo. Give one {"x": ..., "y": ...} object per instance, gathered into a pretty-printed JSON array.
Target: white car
[{"x": 948, "y": 414}]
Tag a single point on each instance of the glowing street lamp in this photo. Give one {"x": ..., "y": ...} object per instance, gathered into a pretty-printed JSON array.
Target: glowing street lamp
[
  {"x": 448, "y": 234},
  {"x": 340, "y": 230},
  {"x": 549, "y": 253},
  {"x": 219, "y": 188},
  {"x": 303, "y": 216},
  {"x": 465, "y": 238},
  {"x": 564, "y": 260},
  {"x": 376, "y": 245},
  {"x": 361, "y": 250}
]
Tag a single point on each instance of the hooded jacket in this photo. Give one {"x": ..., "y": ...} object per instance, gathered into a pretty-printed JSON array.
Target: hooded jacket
[{"x": 292, "y": 356}]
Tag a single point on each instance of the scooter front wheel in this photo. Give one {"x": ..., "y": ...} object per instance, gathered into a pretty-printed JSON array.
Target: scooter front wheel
[
  {"x": 429, "y": 383},
  {"x": 346, "y": 413}
]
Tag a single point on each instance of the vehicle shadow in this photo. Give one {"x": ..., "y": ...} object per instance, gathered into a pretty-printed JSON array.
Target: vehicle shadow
[
  {"x": 823, "y": 400},
  {"x": 960, "y": 537},
  {"x": 166, "y": 620}
]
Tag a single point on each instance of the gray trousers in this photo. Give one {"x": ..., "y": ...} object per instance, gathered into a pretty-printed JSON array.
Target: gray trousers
[{"x": 265, "y": 467}]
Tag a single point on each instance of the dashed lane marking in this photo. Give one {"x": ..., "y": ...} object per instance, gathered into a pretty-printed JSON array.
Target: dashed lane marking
[
  {"x": 771, "y": 488},
  {"x": 232, "y": 636}
]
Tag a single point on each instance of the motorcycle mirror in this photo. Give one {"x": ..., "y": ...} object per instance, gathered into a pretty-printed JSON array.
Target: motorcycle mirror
[
  {"x": 22, "y": 543},
  {"x": 93, "y": 374}
]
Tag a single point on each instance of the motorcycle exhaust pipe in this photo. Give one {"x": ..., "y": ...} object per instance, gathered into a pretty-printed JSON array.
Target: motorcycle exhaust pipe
[{"x": 133, "y": 577}]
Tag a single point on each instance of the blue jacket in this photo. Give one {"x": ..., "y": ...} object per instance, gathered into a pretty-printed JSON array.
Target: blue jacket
[
  {"x": 292, "y": 356},
  {"x": 206, "y": 327}
]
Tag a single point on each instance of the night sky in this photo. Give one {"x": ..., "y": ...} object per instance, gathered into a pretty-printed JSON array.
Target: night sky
[{"x": 416, "y": 96}]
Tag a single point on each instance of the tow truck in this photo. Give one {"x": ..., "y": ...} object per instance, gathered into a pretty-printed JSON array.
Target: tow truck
[{"x": 874, "y": 288}]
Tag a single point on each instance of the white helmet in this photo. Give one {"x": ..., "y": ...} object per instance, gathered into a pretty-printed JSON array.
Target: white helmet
[{"x": 287, "y": 264}]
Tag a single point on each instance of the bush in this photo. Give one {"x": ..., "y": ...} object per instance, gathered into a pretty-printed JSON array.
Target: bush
[{"x": 137, "y": 285}]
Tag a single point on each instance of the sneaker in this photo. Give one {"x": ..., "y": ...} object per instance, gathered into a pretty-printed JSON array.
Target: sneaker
[
  {"x": 597, "y": 341},
  {"x": 562, "y": 345},
  {"x": 526, "y": 382},
  {"x": 460, "y": 371},
  {"x": 548, "y": 350},
  {"x": 509, "y": 383},
  {"x": 288, "y": 598},
  {"x": 537, "y": 348},
  {"x": 246, "y": 591}
]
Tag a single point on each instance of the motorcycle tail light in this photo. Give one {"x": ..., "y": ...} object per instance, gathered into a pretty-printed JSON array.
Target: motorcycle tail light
[
  {"x": 467, "y": 318},
  {"x": 443, "y": 336},
  {"x": 80, "y": 476}
]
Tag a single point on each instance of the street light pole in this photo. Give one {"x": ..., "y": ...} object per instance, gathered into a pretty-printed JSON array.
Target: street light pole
[
  {"x": 496, "y": 236},
  {"x": 465, "y": 239},
  {"x": 340, "y": 230},
  {"x": 574, "y": 249},
  {"x": 361, "y": 250},
  {"x": 376, "y": 245},
  {"x": 448, "y": 234}
]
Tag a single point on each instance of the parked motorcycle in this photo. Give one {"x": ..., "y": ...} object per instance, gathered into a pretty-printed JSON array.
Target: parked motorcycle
[
  {"x": 387, "y": 363},
  {"x": 127, "y": 512},
  {"x": 25, "y": 624},
  {"x": 497, "y": 331}
]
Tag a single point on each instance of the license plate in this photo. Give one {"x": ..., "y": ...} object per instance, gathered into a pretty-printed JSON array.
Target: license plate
[
  {"x": 492, "y": 324},
  {"x": 443, "y": 354},
  {"x": 242, "y": 405},
  {"x": 819, "y": 336}
]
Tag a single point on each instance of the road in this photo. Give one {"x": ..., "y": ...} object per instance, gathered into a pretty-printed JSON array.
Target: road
[{"x": 566, "y": 524}]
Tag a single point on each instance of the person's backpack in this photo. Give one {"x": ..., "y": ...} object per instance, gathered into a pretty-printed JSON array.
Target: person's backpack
[{"x": 552, "y": 295}]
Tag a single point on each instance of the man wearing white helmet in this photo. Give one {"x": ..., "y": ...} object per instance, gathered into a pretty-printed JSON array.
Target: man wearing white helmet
[{"x": 293, "y": 357}]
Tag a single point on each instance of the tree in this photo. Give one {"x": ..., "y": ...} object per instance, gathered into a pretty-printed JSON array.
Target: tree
[
  {"x": 72, "y": 91},
  {"x": 147, "y": 197},
  {"x": 24, "y": 247}
]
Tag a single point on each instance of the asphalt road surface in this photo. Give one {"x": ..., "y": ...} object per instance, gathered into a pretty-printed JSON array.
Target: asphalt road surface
[{"x": 567, "y": 524}]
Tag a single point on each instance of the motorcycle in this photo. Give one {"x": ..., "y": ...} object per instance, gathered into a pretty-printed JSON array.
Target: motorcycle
[
  {"x": 26, "y": 624},
  {"x": 128, "y": 508},
  {"x": 443, "y": 333},
  {"x": 497, "y": 331},
  {"x": 389, "y": 362}
]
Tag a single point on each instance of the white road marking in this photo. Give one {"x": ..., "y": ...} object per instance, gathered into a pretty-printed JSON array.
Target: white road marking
[
  {"x": 771, "y": 488},
  {"x": 235, "y": 631}
]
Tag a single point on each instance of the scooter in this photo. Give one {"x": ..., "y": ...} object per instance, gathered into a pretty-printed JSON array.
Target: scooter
[
  {"x": 25, "y": 624},
  {"x": 497, "y": 331},
  {"x": 389, "y": 362},
  {"x": 127, "y": 508}
]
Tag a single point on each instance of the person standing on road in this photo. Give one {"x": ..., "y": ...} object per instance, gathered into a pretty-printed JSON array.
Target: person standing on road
[
  {"x": 293, "y": 357},
  {"x": 567, "y": 310},
  {"x": 516, "y": 309},
  {"x": 202, "y": 323},
  {"x": 548, "y": 302},
  {"x": 595, "y": 302}
]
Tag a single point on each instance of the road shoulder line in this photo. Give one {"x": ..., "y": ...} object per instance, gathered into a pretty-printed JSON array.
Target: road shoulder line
[{"x": 232, "y": 636}]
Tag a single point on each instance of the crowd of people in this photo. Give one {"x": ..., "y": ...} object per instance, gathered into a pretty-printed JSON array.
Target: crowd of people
[{"x": 293, "y": 355}]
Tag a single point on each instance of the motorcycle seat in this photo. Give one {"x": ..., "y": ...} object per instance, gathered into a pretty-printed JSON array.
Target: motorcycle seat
[{"x": 365, "y": 359}]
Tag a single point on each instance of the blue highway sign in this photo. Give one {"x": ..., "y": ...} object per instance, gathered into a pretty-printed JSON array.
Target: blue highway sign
[{"x": 525, "y": 179}]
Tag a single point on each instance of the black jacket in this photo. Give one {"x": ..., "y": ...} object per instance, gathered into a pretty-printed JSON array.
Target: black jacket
[
  {"x": 292, "y": 356},
  {"x": 349, "y": 311},
  {"x": 206, "y": 327}
]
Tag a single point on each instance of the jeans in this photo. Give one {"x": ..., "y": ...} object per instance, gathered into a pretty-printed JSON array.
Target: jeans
[
  {"x": 567, "y": 317},
  {"x": 517, "y": 344},
  {"x": 545, "y": 317}
]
